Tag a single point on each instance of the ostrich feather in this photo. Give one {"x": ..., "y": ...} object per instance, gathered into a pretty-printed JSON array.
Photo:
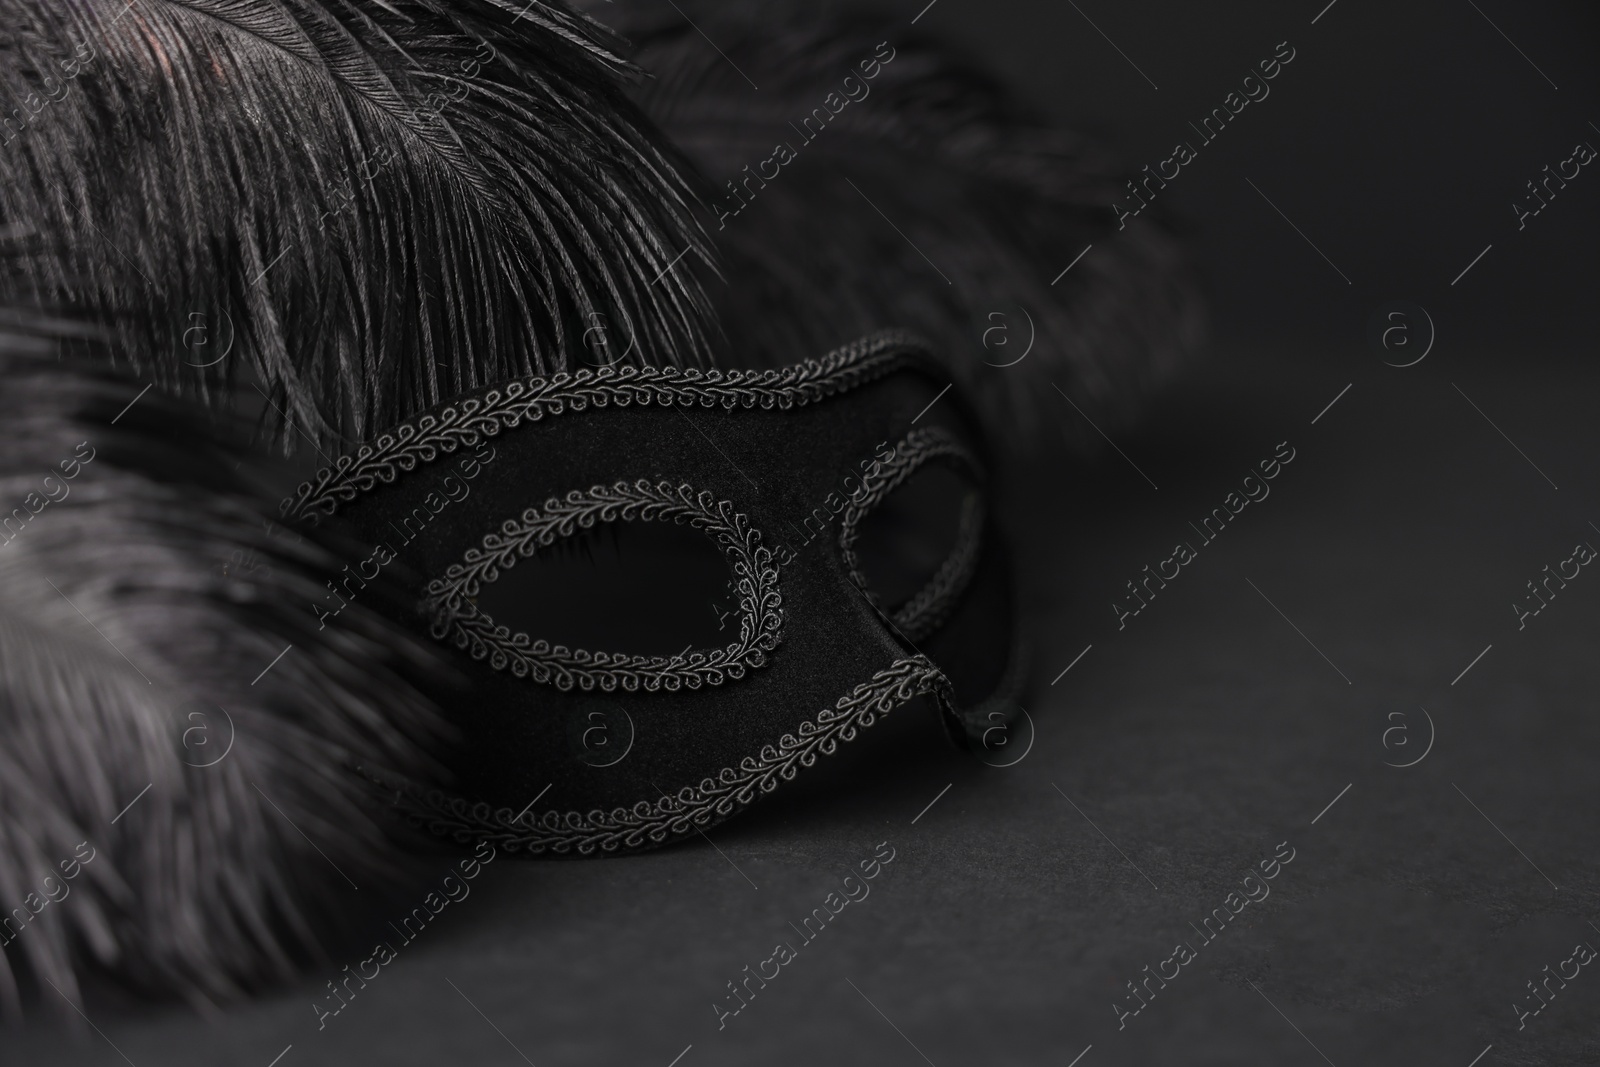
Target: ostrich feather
[
  {"x": 934, "y": 202},
  {"x": 170, "y": 704},
  {"x": 391, "y": 202}
]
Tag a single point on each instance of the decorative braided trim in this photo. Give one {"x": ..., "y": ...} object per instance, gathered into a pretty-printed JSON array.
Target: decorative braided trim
[
  {"x": 931, "y": 606},
  {"x": 648, "y": 822},
  {"x": 468, "y": 422},
  {"x": 456, "y": 617}
]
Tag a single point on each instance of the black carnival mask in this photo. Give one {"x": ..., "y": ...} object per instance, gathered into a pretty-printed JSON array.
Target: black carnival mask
[{"x": 568, "y": 750}]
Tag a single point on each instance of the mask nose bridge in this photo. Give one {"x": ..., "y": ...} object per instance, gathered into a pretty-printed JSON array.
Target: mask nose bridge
[
  {"x": 826, "y": 463},
  {"x": 900, "y": 433},
  {"x": 823, "y": 464}
]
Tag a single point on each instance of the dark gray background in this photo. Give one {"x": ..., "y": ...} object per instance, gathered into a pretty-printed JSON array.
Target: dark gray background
[
  {"x": 1181, "y": 750},
  {"x": 1396, "y": 140}
]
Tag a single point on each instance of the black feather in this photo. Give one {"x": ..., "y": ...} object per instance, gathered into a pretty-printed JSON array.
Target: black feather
[
  {"x": 390, "y": 202},
  {"x": 934, "y": 202},
  {"x": 151, "y": 619}
]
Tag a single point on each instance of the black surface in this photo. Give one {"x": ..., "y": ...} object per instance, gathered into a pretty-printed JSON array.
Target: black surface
[{"x": 1196, "y": 739}]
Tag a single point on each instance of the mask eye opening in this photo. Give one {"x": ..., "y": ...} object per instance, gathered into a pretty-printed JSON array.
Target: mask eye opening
[
  {"x": 924, "y": 610},
  {"x": 450, "y": 601}
]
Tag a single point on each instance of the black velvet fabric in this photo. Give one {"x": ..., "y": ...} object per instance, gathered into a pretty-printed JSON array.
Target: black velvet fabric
[{"x": 789, "y": 471}]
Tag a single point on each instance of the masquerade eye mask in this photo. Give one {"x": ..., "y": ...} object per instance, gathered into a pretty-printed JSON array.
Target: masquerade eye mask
[{"x": 573, "y": 750}]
